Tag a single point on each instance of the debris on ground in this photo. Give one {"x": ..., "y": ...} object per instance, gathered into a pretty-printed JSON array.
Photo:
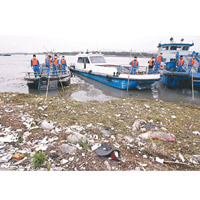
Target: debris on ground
[{"x": 64, "y": 135}]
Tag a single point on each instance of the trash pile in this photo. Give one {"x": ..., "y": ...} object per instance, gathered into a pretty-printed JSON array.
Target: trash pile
[{"x": 32, "y": 140}]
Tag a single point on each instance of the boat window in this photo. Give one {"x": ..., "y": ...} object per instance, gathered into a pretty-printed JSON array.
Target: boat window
[
  {"x": 97, "y": 59},
  {"x": 165, "y": 47},
  {"x": 185, "y": 48},
  {"x": 80, "y": 60},
  {"x": 86, "y": 60},
  {"x": 173, "y": 48}
]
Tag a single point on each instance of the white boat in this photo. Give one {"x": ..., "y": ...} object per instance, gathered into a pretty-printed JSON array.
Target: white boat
[{"x": 94, "y": 66}]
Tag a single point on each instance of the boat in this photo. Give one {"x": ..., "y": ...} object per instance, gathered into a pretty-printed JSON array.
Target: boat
[
  {"x": 5, "y": 54},
  {"x": 44, "y": 82},
  {"x": 94, "y": 66},
  {"x": 171, "y": 53}
]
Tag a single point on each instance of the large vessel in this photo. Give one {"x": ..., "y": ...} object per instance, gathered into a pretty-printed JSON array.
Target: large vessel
[
  {"x": 171, "y": 53},
  {"x": 94, "y": 66}
]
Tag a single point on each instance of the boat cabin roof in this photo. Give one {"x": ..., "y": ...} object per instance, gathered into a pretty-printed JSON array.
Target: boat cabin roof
[
  {"x": 89, "y": 54},
  {"x": 176, "y": 44}
]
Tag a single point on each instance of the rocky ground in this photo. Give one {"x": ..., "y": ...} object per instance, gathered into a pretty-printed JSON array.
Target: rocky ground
[{"x": 150, "y": 135}]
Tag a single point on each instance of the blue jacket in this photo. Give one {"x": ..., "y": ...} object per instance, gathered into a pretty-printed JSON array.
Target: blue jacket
[{"x": 47, "y": 62}]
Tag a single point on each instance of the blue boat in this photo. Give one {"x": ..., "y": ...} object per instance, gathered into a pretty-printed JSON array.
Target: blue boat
[
  {"x": 95, "y": 67},
  {"x": 171, "y": 54}
]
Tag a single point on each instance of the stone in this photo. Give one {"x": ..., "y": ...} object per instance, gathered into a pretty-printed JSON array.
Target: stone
[
  {"x": 75, "y": 138},
  {"x": 46, "y": 125},
  {"x": 66, "y": 148}
]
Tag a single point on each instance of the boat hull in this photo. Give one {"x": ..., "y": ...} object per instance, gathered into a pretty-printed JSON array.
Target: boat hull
[
  {"x": 116, "y": 82},
  {"x": 180, "y": 79}
]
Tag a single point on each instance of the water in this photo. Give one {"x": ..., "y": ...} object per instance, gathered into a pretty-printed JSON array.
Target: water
[{"x": 13, "y": 69}]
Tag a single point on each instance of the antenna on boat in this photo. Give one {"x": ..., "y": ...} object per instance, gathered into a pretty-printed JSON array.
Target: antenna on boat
[
  {"x": 182, "y": 39},
  {"x": 171, "y": 39}
]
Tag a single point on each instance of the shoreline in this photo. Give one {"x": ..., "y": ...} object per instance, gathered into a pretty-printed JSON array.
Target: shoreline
[{"x": 22, "y": 114}]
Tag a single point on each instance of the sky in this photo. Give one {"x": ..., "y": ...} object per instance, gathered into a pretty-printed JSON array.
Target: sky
[{"x": 75, "y": 25}]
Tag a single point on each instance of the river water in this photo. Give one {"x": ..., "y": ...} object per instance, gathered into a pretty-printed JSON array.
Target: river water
[{"x": 13, "y": 69}]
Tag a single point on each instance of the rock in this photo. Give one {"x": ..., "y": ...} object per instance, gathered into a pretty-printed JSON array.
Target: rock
[
  {"x": 47, "y": 125},
  {"x": 17, "y": 156},
  {"x": 75, "y": 138},
  {"x": 138, "y": 124},
  {"x": 161, "y": 161},
  {"x": 66, "y": 148}
]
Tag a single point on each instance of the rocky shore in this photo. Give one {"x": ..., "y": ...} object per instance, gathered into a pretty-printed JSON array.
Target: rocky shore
[{"x": 61, "y": 134}]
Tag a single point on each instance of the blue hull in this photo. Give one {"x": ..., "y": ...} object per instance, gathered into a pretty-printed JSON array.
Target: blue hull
[
  {"x": 117, "y": 82},
  {"x": 180, "y": 79}
]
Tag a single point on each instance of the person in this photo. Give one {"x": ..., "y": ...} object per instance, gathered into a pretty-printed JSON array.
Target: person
[
  {"x": 158, "y": 61},
  {"x": 55, "y": 65},
  {"x": 151, "y": 64},
  {"x": 63, "y": 65},
  {"x": 134, "y": 65},
  {"x": 180, "y": 64},
  {"x": 198, "y": 71},
  {"x": 35, "y": 65},
  {"x": 48, "y": 64},
  {"x": 191, "y": 63}
]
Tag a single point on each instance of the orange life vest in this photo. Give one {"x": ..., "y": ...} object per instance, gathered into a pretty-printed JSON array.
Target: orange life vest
[
  {"x": 63, "y": 61},
  {"x": 46, "y": 61},
  {"x": 159, "y": 59},
  {"x": 55, "y": 61},
  {"x": 134, "y": 63},
  {"x": 35, "y": 61},
  {"x": 180, "y": 62},
  {"x": 193, "y": 61},
  {"x": 150, "y": 62}
]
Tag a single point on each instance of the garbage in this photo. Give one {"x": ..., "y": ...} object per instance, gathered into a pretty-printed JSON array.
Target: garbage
[
  {"x": 46, "y": 125},
  {"x": 181, "y": 157},
  {"x": 106, "y": 150},
  {"x": 107, "y": 165},
  {"x": 157, "y": 135},
  {"x": 173, "y": 117},
  {"x": 196, "y": 132},
  {"x": 95, "y": 146},
  {"x": 161, "y": 161},
  {"x": 66, "y": 148},
  {"x": 197, "y": 158},
  {"x": 71, "y": 158},
  {"x": 105, "y": 132},
  {"x": 64, "y": 161},
  {"x": 138, "y": 124},
  {"x": 77, "y": 138},
  {"x": 6, "y": 158},
  {"x": 17, "y": 156},
  {"x": 8, "y": 139}
]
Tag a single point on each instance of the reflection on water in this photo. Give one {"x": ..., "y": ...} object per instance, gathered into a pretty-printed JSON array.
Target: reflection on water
[{"x": 13, "y": 69}]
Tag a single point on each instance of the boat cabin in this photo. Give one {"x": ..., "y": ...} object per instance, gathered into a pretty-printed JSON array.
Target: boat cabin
[
  {"x": 95, "y": 63},
  {"x": 170, "y": 50}
]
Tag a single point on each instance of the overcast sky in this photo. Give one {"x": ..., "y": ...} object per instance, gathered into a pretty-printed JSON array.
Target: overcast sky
[{"x": 32, "y": 26}]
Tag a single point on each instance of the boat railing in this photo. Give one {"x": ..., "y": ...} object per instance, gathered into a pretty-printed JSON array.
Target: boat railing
[
  {"x": 44, "y": 73},
  {"x": 125, "y": 69}
]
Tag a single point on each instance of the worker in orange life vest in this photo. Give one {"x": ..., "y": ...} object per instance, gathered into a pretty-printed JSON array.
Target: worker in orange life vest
[
  {"x": 55, "y": 65},
  {"x": 63, "y": 65},
  {"x": 48, "y": 64},
  {"x": 158, "y": 61},
  {"x": 134, "y": 65},
  {"x": 151, "y": 64},
  {"x": 191, "y": 63},
  {"x": 35, "y": 64},
  {"x": 180, "y": 64}
]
